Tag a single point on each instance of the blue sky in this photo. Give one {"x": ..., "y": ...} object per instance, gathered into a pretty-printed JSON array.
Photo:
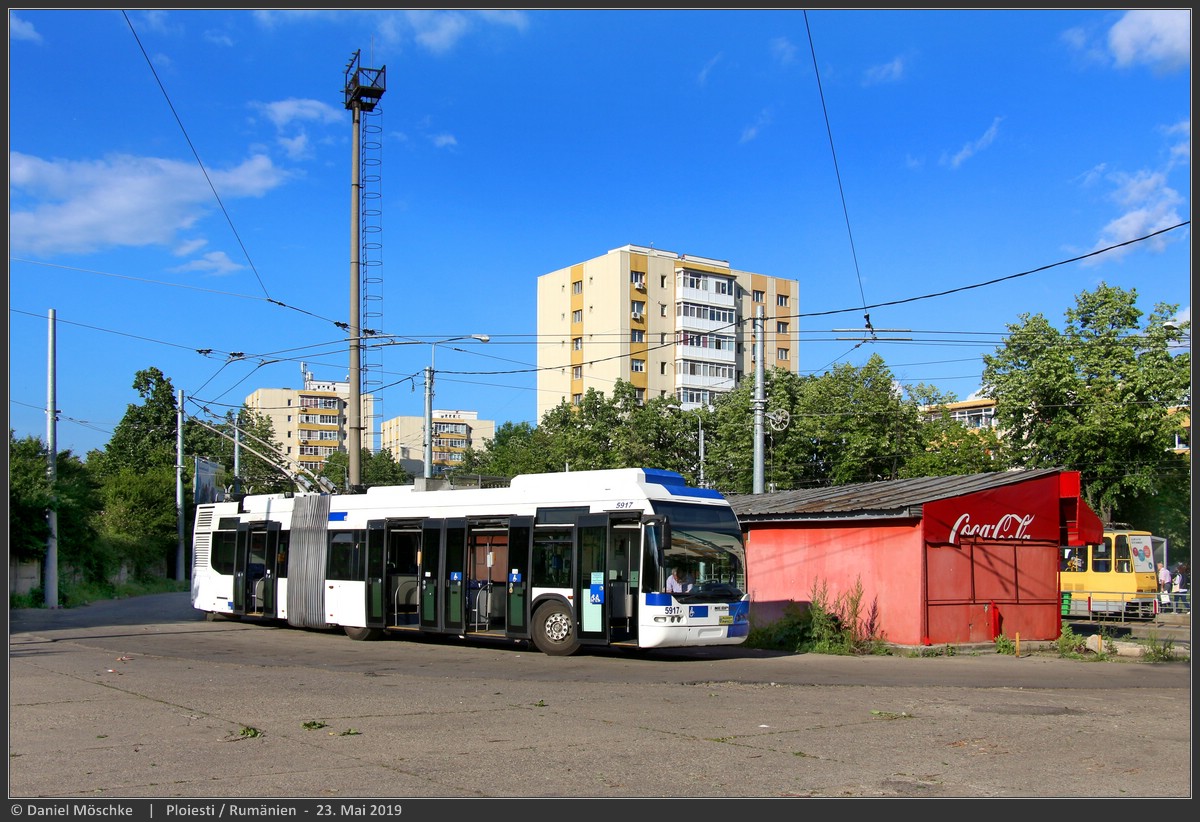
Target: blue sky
[{"x": 195, "y": 216}]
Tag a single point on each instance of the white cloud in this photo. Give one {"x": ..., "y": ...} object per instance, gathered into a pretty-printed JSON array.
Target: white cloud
[
  {"x": 702, "y": 78},
  {"x": 783, "y": 50},
  {"x": 218, "y": 38},
  {"x": 435, "y": 30},
  {"x": 214, "y": 262},
  {"x": 189, "y": 247},
  {"x": 886, "y": 73},
  {"x": 444, "y": 140},
  {"x": 75, "y": 207},
  {"x": 1150, "y": 205},
  {"x": 974, "y": 147},
  {"x": 1160, "y": 38},
  {"x": 19, "y": 29},
  {"x": 751, "y": 132},
  {"x": 284, "y": 113},
  {"x": 296, "y": 148}
]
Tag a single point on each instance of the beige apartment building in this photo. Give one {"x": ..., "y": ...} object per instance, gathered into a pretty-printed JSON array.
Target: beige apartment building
[
  {"x": 453, "y": 433},
  {"x": 312, "y": 422},
  {"x": 670, "y": 324}
]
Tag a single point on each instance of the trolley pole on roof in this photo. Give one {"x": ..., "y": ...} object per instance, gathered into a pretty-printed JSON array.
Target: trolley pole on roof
[{"x": 364, "y": 87}]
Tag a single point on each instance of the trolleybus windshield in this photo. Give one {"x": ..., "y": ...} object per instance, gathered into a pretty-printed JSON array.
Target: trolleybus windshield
[{"x": 706, "y": 545}]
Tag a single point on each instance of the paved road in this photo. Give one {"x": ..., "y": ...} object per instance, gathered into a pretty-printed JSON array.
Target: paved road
[{"x": 143, "y": 698}]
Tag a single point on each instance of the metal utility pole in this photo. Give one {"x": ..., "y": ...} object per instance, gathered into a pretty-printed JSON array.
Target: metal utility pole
[
  {"x": 50, "y": 583},
  {"x": 429, "y": 396},
  {"x": 364, "y": 87},
  {"x": 760, "y": 401}
]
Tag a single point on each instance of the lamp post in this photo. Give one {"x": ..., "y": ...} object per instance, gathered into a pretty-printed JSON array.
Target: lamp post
[{"x": 429, "y": 396}]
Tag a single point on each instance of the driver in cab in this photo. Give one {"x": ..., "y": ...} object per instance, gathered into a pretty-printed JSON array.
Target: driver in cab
[{"x": 676, "y": 584}]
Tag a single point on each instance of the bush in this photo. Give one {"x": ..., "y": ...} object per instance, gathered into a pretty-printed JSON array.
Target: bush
[{"x": 842, "y": 626}]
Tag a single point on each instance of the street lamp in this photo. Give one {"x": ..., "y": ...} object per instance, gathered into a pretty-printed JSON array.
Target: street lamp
[{"x": 429, "y": 396}]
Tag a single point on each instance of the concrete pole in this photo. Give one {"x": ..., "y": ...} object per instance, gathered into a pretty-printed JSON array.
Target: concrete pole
[
  {"x": 354, "y": 412},
  {"x": 429, "y": 415},
  {"x": 50, "y": 581},
  {"x": 760, "y": 401},
  {"x": 179, "y": 552}
]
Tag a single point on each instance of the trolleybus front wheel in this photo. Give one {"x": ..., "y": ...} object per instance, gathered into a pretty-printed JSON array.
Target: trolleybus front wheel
[{"x": 553, "y": 631}]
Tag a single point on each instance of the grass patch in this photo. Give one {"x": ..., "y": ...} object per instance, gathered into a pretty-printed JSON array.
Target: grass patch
[{"x": 75, "y": 594}]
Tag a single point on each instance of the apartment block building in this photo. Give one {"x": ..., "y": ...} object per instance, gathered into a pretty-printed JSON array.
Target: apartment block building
[
  {"x": 454, "y": 431},
  {"x": 980, "y": 412},
  {"x": 312, "y": 422},
  {"x": 669, "y": 324}
]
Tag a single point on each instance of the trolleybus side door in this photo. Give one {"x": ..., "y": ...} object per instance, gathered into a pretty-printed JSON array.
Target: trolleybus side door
[
  {"x": 517, "y": 575},
  {"x": 374, "y": 568},
  {"x": 429, "y": 572},
  {"x": 591, "y": 576}
]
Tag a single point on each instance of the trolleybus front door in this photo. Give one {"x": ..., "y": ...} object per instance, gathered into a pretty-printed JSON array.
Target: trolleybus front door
[
  {"x": 429, "y": 572},
  {"x": 254, "y": 575}
]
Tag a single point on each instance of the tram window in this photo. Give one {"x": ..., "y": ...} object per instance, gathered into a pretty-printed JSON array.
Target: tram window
[
  {"x": 1101, "y": 558},
  {"x": 1124, "y": 562},
  {"x": 224, "y": 546},
  {"x": 345, "y": 555},
  {"x": 1073, "y": 559}
]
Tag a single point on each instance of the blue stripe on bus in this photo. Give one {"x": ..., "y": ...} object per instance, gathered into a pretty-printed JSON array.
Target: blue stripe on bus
[
  {"x": 739, "y": 629},
  {"x": 740, "y": 611},
  {"x": 337, "y": 516},
  {"x": 659, "y": 599},
  {"x": 674, "y": 484}
]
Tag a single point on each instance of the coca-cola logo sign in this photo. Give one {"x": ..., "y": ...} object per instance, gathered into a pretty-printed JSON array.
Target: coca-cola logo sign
[
  {"x": 1009, "y": 526},
  {"x": 1020, "y": 512}
]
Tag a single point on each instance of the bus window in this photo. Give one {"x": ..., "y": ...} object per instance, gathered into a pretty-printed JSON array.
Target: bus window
[
  {"x": 552, "y": 558},
  {"x": 1102, "y": 557},
  {"x": 345, "y": 555}
]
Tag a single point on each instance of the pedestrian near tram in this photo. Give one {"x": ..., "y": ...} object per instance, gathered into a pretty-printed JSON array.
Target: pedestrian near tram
[{"x": 1164, "y": 578}]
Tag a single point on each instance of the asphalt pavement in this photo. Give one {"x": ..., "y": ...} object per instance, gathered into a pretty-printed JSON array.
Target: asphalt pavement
[{"x": 142, "y": 704}]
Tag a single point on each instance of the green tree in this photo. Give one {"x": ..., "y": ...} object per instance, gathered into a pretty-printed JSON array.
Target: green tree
[
  {"x": 1097, "y": 397},
  {"x": 948, "y": 446},
  {"x": 29, "y": 497},
  {"x": 516, "y": 448},
  {"x": 381, "y": 468},
  {"x": 136, "y": 471},
  {"x": 75, "y": 499}
]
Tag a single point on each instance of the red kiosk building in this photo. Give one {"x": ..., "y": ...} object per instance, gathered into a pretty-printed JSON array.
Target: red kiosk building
[{"x": 941, "y": 560}]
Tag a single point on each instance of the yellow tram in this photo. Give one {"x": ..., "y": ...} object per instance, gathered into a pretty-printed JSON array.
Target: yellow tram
[{"x": 1113, "y": 579}]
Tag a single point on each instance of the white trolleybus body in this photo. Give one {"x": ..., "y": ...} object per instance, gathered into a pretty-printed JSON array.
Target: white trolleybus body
[{"x": 565, "y": 560}]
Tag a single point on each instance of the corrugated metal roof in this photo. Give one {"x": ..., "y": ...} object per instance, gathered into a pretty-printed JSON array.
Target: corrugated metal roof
[{"x": 889, "y": 498}]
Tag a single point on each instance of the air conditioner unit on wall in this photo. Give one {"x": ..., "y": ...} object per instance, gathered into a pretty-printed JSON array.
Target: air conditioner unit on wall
[{"x": 640, "y": 286}]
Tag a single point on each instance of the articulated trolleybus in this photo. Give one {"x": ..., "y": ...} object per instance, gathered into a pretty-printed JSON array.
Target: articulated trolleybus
[{"x": 565, "y": 560}]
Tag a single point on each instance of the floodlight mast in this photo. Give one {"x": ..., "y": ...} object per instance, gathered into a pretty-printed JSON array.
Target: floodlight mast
[{"x": 364, "y": 87}]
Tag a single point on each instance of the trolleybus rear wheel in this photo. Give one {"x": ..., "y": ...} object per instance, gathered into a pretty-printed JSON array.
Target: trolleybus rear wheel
[
  {"x": 362, "y": 634},
  {"x": 553, "y": 631}
]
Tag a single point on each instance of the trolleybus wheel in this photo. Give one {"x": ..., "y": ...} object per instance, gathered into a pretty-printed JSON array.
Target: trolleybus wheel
[
  {"x": 217, "y": 616},
  {"x": 553, "y": 631},
  {"x": 362, "y": 634}
]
